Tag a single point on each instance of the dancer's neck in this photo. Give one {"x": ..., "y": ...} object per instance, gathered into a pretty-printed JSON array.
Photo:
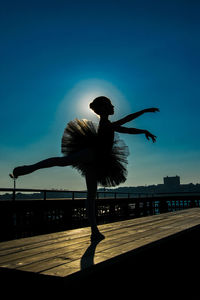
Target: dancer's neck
[{"x": 104, "y": 117}]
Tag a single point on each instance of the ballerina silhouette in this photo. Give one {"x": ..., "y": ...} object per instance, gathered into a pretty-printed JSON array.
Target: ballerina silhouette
[{"x": 95, "y": 152}]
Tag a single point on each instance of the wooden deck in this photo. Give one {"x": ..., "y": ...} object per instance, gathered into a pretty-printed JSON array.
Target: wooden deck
[{"x": 70, "y": 253}]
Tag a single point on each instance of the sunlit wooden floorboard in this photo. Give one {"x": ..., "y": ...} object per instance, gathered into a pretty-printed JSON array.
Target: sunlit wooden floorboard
[{"x": 64, "y": 253}]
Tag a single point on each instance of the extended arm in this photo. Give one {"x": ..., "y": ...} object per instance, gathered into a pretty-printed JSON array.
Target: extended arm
[
  {"x": 122, "y": 129},
  {"x": 134, "y": 116}
]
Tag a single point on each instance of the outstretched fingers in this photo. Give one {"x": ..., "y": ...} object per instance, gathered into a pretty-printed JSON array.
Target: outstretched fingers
[
  {"x": 150, "y": 136},
  {"x": 154, "y": 138}
]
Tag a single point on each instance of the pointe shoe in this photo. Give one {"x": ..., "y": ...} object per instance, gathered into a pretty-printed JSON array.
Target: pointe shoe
[
  {"x": 97, "y": 237},
  {"x": 19, "y": 171},
  {"x": 12, "y": 176},
  {"x": 14, "y": 181}
]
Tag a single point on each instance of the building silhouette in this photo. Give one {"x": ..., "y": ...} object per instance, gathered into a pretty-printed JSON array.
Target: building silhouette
[{"x": 172, "y": 182}]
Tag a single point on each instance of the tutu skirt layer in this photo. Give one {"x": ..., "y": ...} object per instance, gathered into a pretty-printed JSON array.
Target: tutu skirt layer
[{"x": 109, "y": 164}]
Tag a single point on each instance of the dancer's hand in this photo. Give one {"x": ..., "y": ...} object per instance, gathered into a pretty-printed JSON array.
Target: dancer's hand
[
  {"x": 152, "y": 109},
  {"x": 149, "y": 135}
]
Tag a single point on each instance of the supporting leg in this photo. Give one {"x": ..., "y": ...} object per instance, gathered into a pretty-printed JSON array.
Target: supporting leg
[{"x": 91, "y": 183}]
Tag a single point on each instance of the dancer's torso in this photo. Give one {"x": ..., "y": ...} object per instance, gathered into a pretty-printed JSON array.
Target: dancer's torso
[{"x": 105, "y": 135}]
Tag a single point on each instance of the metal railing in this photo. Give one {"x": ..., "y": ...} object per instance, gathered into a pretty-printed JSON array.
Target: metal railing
[
  {"x": 70, "y": 195},
  {"x": 21, "y": 215},
  {"x": 15, "y": 194}
]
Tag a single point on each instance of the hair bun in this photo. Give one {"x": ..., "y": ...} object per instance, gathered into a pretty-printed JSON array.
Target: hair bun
[
  {"x": 97, "y": 103},
  {"x": 92, "y": 105}
]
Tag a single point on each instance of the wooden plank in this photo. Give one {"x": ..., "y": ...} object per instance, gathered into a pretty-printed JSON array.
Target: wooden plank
[
  {"x": 124, "y": 246},
  {"x": 64, "y": 253},
  {"x": 69, "y": 242},
  {"x": 60, "y": 246},
  {"x": 73, "y": 237}
]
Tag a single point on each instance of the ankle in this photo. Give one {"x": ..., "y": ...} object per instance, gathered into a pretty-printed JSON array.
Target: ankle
[
  {"x": 98, "y": 236},
  {"x": 95, "y": 230}
]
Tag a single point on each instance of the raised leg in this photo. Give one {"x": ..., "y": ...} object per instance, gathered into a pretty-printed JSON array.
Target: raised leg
[
  {"x": 85, "y": 155},
  {"x": 47, "y": 163}
]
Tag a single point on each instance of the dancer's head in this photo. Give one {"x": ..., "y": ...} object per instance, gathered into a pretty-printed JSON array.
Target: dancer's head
[{"x": 102, "y": 106}]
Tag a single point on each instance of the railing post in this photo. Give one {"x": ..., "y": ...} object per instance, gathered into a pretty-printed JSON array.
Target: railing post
[
  {"x": 126, "y": 209},
  {"x": 163, "y": 205},
  {"x": 45, "y": 195},
  {"x": 192, "y": 203},
  {"x": 111, "y": 210},
  {"x": 73, "y": 195},
  {"x": 151, "y": 207},
  {"x": 137, "y": 207},
  {"x": 13, "y": 196}
]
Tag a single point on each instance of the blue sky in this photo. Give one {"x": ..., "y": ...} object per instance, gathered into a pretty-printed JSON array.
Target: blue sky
[{"x": 55, "y": 56}]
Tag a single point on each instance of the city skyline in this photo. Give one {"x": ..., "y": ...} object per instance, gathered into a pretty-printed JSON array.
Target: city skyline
[{"x": 56, "y": 57}]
